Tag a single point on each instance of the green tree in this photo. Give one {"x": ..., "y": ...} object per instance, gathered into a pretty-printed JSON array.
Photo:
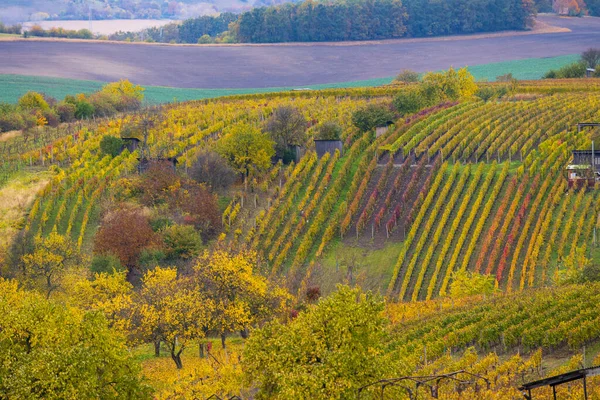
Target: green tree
[
  {"x": 371, "y": 116},
  {"x": 329, "y": 130},
  {"x": 246, "y": 148},
  {"x": 327, "y": 352},
  {"x": 205, "y": 39},
  {"x": 408, "y": 102},
  {"x": 51, "y": 351},
  {"x": 111, "y": 145},
  {"x": 407, "y": 76},
  {"x": 181, "y": 241}
]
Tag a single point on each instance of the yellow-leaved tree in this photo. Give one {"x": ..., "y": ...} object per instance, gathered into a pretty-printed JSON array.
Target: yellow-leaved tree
[
  {"x": 246, "y": 148},
  {"x": 169, "y": 309},
  {"x": 242, "y": 297},
  {"x": 109, "y": 294},
  {"x": 52, "y": 351},
  {"x": 49, "y": 260},
  {"x": 124, "y": 88}
]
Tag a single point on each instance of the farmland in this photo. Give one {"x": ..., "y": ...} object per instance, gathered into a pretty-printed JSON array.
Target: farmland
[
  {"x": 287, "y": 65},
  {"x": 15, "y": 86},
  {"x": 382, "y": 232}
]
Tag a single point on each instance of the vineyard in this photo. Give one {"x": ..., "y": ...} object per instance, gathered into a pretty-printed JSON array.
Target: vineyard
[
  {"x": 467, "y": 186},
  {"x": 463, "y": 188}
]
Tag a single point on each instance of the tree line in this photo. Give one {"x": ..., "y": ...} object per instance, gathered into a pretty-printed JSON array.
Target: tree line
[{"x": 310, "y": 21}]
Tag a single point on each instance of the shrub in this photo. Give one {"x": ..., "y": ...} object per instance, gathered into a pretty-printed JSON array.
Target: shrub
[
  {"x": 51, "y": 117},
  {"x": 102, "y": 104},
  {"x": 329, "y": 130},
  {"x": 11, "y": 121},
  {"x": 106, "y": 263},
  {"x": 408, "y": 102},
  {"x": 66, "y": 112},
  {"x": 111, "y": 145},
  {"x": 33, "y": 101},
  {"x": 407, "y": 76},
  {"x": 205, "y": 39},
  {"x": 575, "y": 70},
  {"x": 181, "y": 241}
]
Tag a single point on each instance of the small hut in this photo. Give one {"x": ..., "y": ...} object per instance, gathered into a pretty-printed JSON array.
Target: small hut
[
  {"x": 381, "y": 129},
  {"x": 328, "y": 146},
  {"x": 130, "y": 143},
  {"x": 580, "y": 176},
  {"x": 589, "y": 72}
]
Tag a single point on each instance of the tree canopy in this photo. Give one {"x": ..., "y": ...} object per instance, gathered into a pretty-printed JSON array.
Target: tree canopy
[
  {"x": 327, "y": 352},
  {"x": 245, "y": 147},
  {"x": 51, "y": 351}
]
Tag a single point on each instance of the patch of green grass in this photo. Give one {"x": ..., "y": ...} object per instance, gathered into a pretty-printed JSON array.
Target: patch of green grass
[
  {"x": 370, "y": 268},
  {"x": 14, "y": 86}
]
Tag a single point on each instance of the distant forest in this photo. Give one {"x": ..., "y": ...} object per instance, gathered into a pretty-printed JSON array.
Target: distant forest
[{"x": 312, "y": 21}]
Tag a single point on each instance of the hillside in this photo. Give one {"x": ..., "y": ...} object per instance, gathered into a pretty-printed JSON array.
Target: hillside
[{"x": 151, "y": 236}]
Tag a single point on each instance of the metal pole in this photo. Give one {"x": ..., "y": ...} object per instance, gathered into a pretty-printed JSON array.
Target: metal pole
[
  {"x": 554, "y": 391},
  {"x": 584, "y": 388}
]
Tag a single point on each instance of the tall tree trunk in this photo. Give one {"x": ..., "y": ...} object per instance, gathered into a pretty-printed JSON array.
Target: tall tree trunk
[
  {"x": 177, "y": 359},
  {"x": 157, "y": 348},
  {"x": 223, "y": 337},
  {"x": 201, "y": 350}
]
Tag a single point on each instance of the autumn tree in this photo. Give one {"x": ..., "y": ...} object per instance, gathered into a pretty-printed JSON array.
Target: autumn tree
[
  {"x": 170, "y": 310},
  {"x": 159, "y": 184},
  {"x": 109, "y": 294},
  {"x": 212, "y": 170},
  {"x": 241, "y": 296},
  {"x": 124, "y": 88},
  {"x": 327, "y": 352},
  {"x": 51, "y": 351},
  {"x": 287, "y": 127},
  {"x": 199, "y": 208},
  {"x": 49, "y": 260},
  {"x": 125, "y": 233},
  {"x": 449, "y": 85},
  {"x": 246, "y": 148}
]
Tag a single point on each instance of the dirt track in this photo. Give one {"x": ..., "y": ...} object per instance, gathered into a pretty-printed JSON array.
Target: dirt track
[{"x": 285, "y": 65}]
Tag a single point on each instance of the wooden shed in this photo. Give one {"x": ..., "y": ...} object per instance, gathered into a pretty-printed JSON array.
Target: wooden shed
[
  {"x": 130, "y": 143},
  {"x": 381, "y": 129},
  {"x": 581, "y": 176},
  {"x": 328, "y": 146}
]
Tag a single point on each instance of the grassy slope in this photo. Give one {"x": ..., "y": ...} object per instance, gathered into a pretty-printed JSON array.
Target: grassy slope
[{"x": 14, "y": 86}]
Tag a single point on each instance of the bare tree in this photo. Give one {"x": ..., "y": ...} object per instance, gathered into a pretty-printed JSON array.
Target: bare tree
[
  {"x": 591, "y": 57},
  {"x": 287, "y": 127}
]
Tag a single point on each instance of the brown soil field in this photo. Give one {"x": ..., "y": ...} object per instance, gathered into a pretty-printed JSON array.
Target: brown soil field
[{"x": 290, "y": 64}]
